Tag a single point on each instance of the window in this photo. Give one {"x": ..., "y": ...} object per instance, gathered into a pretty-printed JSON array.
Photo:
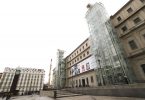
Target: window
[
  {"x": 77, "y": 59},
  {"x": 132, "y": 44},
  {"x": 87, "y": 52},
  {"x": 137, "y": 20},
  {"x": 72, "y": 62},
  {"x": 143, "y": 67},
  {"x": 80, "y": 50},
  {"x": 129, "y": 10},
  {"x": 92, "y": 80},
  {"x": 124, "y": 28},
  {"x": 77, "y": 52},
  {"x": 80, "y": 57},
  {"x": 76, "y": 83},
  {"x": 86, "y": 44},
  {"x": 119, "y": 18},
  {"x": 83, "y": 47},
  {"x": 84, "y": 55},
  {"x": 72, "y": 56},
  {"x": 142, "y": 1}
]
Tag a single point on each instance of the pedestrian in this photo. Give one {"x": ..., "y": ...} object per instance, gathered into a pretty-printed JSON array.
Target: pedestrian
[
  {"x": 8, "y": 97},
  {"x": 3, "y": 96}
]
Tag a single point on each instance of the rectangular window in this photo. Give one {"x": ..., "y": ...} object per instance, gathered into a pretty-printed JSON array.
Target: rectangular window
[
  {"x": 86, "y": 44},
  {"x": 76, "y": 83},
  {"x": 124, "y": 28},
  {"x": 92, "y": 80},
  {"x": 132, "y": 44},
  {"x": 80, "y": 57},
  {"x": 87, "y": 52},
  {"x": 129, "y": 10},
  {"x": 137, "y": 20},
  {"x": 84, "y": 55},
  {"x": 77, "y": 59},
  {"x": 119, "y": 18}
]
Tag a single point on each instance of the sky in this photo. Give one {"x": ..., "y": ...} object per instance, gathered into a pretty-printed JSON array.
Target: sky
[{"x": 31, "y": 31}]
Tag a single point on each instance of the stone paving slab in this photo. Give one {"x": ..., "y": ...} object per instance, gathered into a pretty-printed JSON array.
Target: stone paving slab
[
  {"x": 84, "y": 97},
  {"x": 100, "y": 98}
]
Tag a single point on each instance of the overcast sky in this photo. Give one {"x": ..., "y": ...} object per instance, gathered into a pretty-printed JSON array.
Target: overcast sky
[{"x": 31, "y": 31}]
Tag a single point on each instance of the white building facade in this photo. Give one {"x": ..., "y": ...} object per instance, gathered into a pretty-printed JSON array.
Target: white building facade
[{"x": 22, "y": 80}]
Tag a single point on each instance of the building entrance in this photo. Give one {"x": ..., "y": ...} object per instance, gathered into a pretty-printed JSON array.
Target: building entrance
[
  {"x": 83, "y": 82},
  {"x": 143, "y": 67}
]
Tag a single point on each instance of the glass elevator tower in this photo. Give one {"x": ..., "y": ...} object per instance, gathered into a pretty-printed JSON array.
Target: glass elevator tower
[{"x": 112, "y": 67}]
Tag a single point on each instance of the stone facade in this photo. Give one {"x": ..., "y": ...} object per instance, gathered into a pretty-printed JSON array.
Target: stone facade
[
  {"x": 129, "y": 23},
  {"x": 78, "y": 59}
]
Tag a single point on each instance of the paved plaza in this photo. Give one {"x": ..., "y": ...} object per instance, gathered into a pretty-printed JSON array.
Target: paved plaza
[{"x": 84, "y": 97}]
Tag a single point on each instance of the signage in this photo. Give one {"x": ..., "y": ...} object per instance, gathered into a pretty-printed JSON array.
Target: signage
[{"x": 85, "y": 65}]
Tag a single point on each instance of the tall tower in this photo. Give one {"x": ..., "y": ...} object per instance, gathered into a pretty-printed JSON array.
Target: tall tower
[
  {"x": 111, "y": 66},
  {"x": 50, "y": 73},
  {"x": 60, "y": 69}
]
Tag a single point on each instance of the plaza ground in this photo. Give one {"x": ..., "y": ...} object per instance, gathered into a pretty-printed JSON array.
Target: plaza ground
[{"x": 83, "y": 97}]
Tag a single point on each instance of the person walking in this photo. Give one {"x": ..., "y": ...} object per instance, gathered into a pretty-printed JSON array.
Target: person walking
[
  {"x": 3, "y": 96},
  {"x": 8, "y": 96}
]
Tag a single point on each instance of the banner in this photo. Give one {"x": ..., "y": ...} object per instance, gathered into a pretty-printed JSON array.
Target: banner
[{"x": 85, "y": 65}]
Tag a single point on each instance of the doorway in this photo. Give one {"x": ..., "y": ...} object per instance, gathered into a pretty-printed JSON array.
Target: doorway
[
  {"x": 83, "y": 82},
  {"x": 143, "y": 67}
]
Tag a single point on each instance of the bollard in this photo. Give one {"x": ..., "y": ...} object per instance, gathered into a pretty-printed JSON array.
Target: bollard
[{"x": 55, "y": 94}]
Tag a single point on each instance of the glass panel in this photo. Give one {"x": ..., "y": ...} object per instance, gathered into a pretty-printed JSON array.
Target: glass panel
[{"x": 111, "y": 66}]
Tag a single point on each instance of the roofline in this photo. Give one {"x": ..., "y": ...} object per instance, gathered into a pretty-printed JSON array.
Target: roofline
[
  {"x": 77, "y": 47},
  {"x": 112, "y": 16}
]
